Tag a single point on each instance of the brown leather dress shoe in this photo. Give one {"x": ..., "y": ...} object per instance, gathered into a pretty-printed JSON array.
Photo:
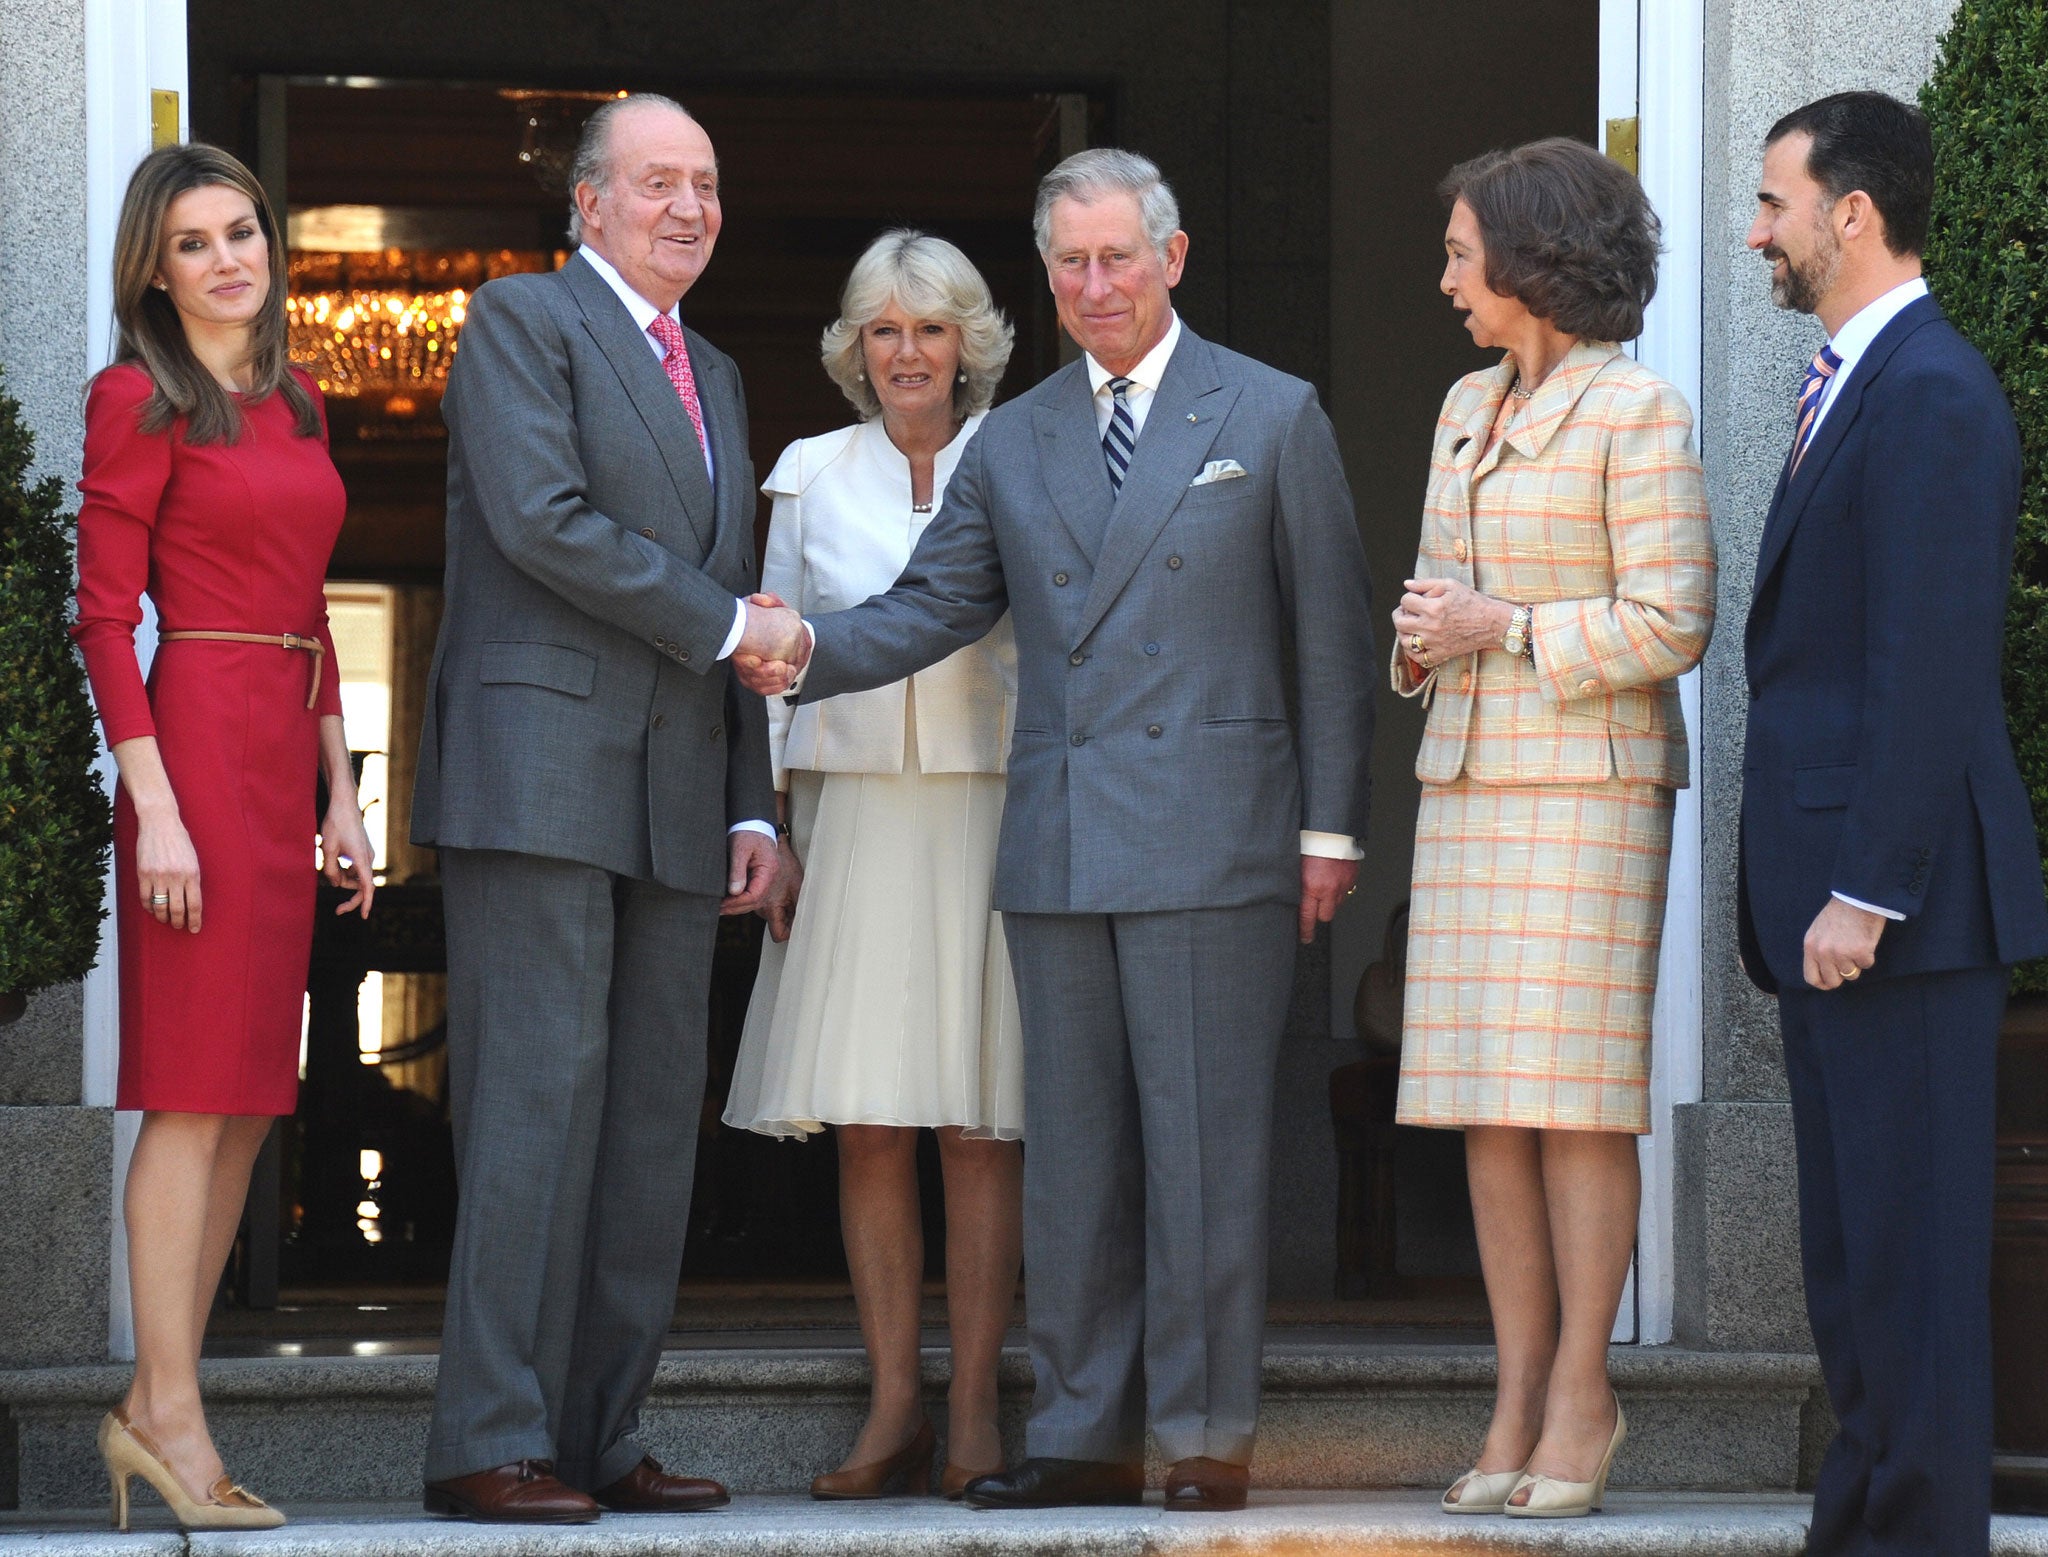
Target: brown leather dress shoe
[
  {"x": 1206, "y": 1486},
  {"x": 648, "y": 1489},
  {"x": 526, "y": 1492}
]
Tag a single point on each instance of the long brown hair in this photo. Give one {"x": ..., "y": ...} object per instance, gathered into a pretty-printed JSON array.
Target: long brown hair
[{"x": 151, "y": 334}]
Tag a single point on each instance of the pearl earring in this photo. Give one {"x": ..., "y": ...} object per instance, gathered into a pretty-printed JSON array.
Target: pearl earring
[{"x": 963, "y": 376}]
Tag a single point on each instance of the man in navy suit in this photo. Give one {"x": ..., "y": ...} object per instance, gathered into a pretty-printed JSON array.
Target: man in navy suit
[{"x": 1889, "y": 873}]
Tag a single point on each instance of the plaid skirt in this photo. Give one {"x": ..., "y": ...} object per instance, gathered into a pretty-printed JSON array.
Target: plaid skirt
[{"x": 1533, "y": 931}]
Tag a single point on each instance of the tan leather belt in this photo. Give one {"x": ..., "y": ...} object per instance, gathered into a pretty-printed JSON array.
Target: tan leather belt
[{"x": 312, "y": 646}]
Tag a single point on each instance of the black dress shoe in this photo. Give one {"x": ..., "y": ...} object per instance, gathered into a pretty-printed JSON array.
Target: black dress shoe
[
  {"x": 1207, "y": 1486},
  {"x": 1050, "y": 1483}
]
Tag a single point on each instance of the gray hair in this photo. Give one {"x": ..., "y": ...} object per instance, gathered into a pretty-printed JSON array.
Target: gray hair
[
  {"x": 592, "y": 163},
  {"x": 929, "y": 279},
  {"x": 1101, "y": 170}
]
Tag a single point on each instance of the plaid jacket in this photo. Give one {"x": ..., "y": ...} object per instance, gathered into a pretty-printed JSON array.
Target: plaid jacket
[{"x": 1593, "y": 510}]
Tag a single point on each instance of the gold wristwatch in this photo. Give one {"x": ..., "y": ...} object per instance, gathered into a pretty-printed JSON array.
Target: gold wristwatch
[{"x": 1517, "y": 640}]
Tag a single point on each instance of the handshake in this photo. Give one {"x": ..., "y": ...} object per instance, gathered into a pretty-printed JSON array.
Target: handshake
[{"x": 773, "y": 649}]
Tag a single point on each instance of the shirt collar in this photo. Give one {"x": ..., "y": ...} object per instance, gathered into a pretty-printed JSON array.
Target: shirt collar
[
  {"x": 1868, "y": 322},
  {"x": 643, "y": 312},
  {"x": 1151, "y": 367}
]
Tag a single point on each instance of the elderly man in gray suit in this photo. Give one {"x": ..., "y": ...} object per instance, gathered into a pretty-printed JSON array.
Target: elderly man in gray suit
[
  {"x": 600, "y": 791},
  {"x": 1169, "y": 525}
]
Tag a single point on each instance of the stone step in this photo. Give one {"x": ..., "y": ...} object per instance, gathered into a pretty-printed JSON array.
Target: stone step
[
  {"x": 1278, "y": 1524},
  {"x": 1352, "y": 1416}
]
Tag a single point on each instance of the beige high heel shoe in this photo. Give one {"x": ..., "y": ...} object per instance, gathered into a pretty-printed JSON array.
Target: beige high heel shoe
[
  {"x": 129, "y": 1451},
  {"x": 1480, "y": 1492},
  {"x": 1550, "y": 1498}
]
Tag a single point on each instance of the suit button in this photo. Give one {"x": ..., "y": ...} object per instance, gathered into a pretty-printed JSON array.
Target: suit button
[
  {"x": 1589, "y": 685},
  {"x": 1155, "y": 731},
  {"x": 1459, "y": 550},
  {"x": 661, "y": 643},
  {"x": 660, "y": 720},
  {"x": 1077, "y": 740},
  {"x": 717, "y": 730},
  {"x": 1077, "y": 659},
  {"x": 1173, "y": 562},
  {"x": 1060, "y": 579},
  {"x": 648, "y": 533},
  {"x": 1151, "y": 648},
  {"x": 682, "y": 654}
]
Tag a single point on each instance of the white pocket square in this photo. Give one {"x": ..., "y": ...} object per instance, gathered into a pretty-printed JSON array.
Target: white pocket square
[{"x": 1219, "y": 470}]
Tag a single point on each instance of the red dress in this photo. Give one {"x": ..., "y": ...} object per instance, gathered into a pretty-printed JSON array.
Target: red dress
[{"x": 225, "y": 538}]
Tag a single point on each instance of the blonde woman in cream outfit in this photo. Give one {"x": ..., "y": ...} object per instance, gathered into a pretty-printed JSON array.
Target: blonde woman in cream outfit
[{"x": 884, "y": 1002}]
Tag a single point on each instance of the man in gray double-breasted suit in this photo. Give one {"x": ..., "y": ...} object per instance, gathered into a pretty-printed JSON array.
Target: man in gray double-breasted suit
[
  {"x": 599, "y": 789},
  {"x": 1169, "y": 526}
]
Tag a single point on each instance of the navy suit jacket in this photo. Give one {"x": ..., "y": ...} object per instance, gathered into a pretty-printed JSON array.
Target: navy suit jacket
[{"x": 1877, "y": 762}]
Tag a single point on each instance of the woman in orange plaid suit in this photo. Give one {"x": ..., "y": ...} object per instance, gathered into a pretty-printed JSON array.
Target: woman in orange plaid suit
[{"x": 1565, "y": 582}]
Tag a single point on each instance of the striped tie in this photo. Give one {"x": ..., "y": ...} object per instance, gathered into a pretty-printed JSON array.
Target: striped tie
[
  {"x": 1122, "y": 436},
  {"x": 1818, "y": 372}
]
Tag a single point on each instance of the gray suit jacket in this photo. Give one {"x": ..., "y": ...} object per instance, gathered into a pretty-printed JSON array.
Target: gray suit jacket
[
  {"x": 578, "y": 709},
  {"x": 1159, "y": 760}
]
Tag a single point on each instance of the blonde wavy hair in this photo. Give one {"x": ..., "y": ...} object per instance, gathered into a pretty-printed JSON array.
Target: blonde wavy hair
[{"x": 930, "y": 279}]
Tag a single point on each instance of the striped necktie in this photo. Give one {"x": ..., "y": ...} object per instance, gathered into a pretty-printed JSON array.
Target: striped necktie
[
  {"x": 1823, "y": 367},
  {"x": 1122, "y": 436}
]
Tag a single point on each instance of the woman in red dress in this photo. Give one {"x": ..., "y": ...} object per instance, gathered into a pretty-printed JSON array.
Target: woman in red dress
[{"x": 207, "y": 485}]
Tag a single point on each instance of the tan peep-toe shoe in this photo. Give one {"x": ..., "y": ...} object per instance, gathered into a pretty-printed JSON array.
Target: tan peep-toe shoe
[
  {"x": 129, "y": 1451},
  {"x": 912, "y": 1464},
  {"x": 1550, "y": 1498},
  {"x": 1480, "y": 1492}
]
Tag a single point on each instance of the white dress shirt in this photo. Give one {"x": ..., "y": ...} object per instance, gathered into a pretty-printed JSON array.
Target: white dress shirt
[
  {"x": 644, "y": 314},
  {"x": 1850, "y": 343}
]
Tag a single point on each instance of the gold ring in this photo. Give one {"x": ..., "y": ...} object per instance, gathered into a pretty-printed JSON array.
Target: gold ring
[
  {"x": 157, "y": 899},
  {"x": 1852, "y": 973},
  {"x": 1415, "y": 645}
]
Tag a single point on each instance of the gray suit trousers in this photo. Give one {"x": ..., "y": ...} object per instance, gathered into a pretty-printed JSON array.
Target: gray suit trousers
[
  {"x": 1150, "y": 1043},
  {"x": 576, "y": 1010}
]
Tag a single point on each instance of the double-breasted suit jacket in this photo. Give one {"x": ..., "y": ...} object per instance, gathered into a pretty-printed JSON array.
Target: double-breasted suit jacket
[{"x": 1155, "y": 762}]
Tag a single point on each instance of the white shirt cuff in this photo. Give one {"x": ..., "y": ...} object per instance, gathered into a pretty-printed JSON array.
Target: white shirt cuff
[
  {"x": 1331, "y": 846},
  {"x": 765, "y": 829},
  {"x": 739, "y": 627},
  {"x": 796, "y": 684},
  {"x": 1869, "y": 908}
]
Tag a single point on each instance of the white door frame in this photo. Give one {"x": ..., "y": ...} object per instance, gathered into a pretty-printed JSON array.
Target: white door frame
[
  {"x": 132, "y": 48},
  {"x": 1653, "y": 69}
]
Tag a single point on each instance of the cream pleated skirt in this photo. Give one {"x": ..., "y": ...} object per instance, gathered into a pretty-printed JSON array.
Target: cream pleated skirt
[
  {"x": 891, "y": 1002},
  {"x": 1533, "y": 931}
]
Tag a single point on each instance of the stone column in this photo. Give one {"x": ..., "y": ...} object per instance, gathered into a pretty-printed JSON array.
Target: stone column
[
  {"x": 75, "y": 115},
  {"x": 1738, "y": 1224},
  {"x": 55, "y": 1152}
]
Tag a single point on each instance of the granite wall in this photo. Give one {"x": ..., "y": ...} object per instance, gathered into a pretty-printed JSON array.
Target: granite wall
[
  {"x": 55, "y": 1154},
  {"x": 1739, "y": 1279}
]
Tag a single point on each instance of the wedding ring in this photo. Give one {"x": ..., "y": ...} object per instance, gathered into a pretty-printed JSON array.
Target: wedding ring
[
  {"x": 159, "y": 899},
  {"x": 1851, "y": 973},
  {"x": 1415, "y": 644}
]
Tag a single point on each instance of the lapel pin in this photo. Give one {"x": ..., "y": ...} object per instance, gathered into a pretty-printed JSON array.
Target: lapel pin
[{"x": 1191, "y": 416}]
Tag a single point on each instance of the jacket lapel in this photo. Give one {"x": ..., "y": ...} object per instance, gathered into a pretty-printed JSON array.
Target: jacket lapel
[
  {"x": 653, "y": 397},
  {"x": 1070, "y": 456},
  {"x": 1186, "y": 414},
  {"x": 1796, "y": 487},
  {"x": 717, "y": 393}
]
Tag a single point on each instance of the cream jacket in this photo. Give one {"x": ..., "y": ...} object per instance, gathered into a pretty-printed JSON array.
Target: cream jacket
[
  {"x": 1593, "y": 510},
  {"x": 841, "y": 531}
]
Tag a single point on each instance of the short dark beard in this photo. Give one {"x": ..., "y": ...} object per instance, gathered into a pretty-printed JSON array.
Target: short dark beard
[{"x": 1805, "y": 285}]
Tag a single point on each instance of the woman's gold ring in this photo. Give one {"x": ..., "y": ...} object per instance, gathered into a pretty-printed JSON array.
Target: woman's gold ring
[
  {"x": 1852, "y": 973},
  {"x": 1415, "y": 644}
]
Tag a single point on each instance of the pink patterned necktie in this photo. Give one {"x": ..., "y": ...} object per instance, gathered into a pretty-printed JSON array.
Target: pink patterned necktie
[
  {"x": 675, "y": 362},
  {"x": 1823, "y": 367}
]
